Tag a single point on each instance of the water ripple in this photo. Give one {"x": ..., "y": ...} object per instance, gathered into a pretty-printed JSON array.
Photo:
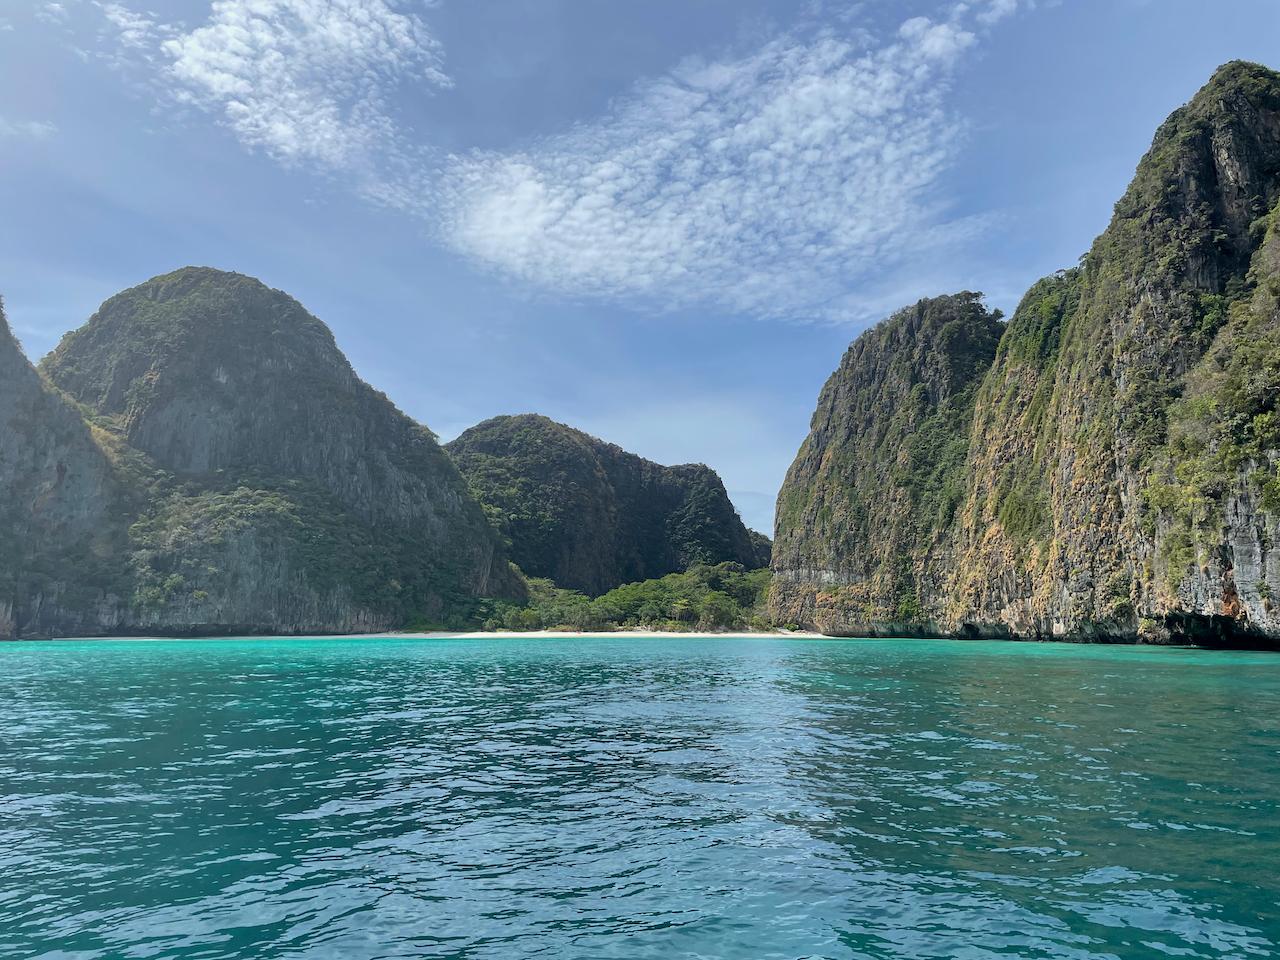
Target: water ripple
[{"x": 618, "y": 798}]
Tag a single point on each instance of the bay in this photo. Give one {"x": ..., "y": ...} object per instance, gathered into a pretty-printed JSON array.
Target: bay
[{"x": 633, "y": 798}]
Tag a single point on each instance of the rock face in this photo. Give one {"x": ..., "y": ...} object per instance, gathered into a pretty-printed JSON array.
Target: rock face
[
  {"x": 591, "y": 516},
  {"x": 1119, "y": 479},
  {"x": 263, "y": 486},
  {"x": 60, "y": 535},
  {"x": 866, "y": 508}
]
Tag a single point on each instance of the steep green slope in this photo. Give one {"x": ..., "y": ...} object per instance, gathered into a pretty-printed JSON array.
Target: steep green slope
[
  {"x": 590, "y": 516},
  {"x": 1148, "y": 301},
  {"x": 1213, "y": 498},
  {"x": 282, "y": 494},
  {"x": 1005, "y": 526},
  {"x": 60, "y": 529},
  {"x": 867, "y": 504},
  {"x": 1116, "y": 477}
]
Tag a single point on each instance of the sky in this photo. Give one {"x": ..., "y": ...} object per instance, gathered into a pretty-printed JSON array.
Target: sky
[{"x": 661, "y": 222}]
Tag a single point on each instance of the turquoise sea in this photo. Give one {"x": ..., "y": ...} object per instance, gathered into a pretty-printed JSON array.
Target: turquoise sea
[{"x": 621, "y": 798}]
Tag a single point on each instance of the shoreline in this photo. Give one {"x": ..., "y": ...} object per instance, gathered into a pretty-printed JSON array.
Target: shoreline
[
  {"x": 451, "y": 635},
  {"x": 628, "y": 635},
  {"x": 625, "y": 634}
]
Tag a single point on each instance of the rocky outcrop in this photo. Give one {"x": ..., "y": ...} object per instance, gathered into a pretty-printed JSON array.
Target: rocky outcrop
[
  {"x": 1213, "y": 498},
  {"x": 1116, "y": 475},
  {"x": 591, "y": 516},
  {"x": 763, "y": 549},
  {"x": 61, "y": 539},
  {"x": 867, "y": 506},
  {"x": 262, "y": 487}
]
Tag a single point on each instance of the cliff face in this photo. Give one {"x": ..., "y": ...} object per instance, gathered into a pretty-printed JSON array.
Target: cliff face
[
  {"x": 591, "y": 516},
  {"x": 60, "y": 530},
  {"x": 267, "y": 488},
  {"x": 865, "y": 511},
  {"x": 1005, "y": 526},
  {"x": 1213, "y": 498},
  {"x": 1116, "y": 481}
]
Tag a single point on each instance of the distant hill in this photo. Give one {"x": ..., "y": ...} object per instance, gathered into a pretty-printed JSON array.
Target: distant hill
[{"x": 590, "y": 516}]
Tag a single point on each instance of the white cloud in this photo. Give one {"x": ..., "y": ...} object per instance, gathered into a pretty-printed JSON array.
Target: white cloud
[
  {"x": 134, "y": 30},
  {"x": 52, "y": 12},
  {"x": 940, "y": 43},
  {"x": 305, "y": 80},
  {"x": 771, "y": 184},
  {"x": 990, "y": 12},
  {"x": 768, "y": 184},
  {"x": 27, "y": 129},
  {"x": 997, "y": 10}
]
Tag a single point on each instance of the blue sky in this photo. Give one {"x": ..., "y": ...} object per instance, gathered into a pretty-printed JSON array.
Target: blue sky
[{"x": 660, "y": 222}]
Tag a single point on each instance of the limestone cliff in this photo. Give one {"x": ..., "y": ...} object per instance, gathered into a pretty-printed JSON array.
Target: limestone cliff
[
  {"x": 1120, "y": 453},
  {"x": 591, "y": 516},
  {"x": 866, "y": 508},
  {"x": 61, "y": 536},
  {"x": 267, "y": 488}
]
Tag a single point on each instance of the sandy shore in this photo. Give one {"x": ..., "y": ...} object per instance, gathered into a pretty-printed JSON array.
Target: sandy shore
[
  {"x": 470, "y": 635},
  {"x": 633, "y": 634}
]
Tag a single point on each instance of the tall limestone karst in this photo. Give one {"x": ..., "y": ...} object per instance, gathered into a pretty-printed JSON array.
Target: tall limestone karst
[
  {"x": 591, "y": 516},
  {"x": 865, "y": 514},
  {"x": 267, "y": 488},
  {"x": 1120, "y": 478},
  {"x": 61, "y": 539}
]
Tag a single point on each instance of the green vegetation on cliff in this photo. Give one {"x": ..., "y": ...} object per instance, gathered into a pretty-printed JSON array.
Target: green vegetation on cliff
[
  {"x": 1224, "y": 431},
  {"x": 60, "y": 531},
  {"x": 880, "y": 476},
  {"x": 253, "y": 483},
  {"x": 200, "y": 457},
  {"x": 283, "y": 545},
  {"x": 1019, "y": 401},
  {"x": 1117, "y": 477},
  {"x": 590, "y": 516}
]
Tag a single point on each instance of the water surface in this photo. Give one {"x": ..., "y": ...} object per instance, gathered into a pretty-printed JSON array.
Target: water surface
[{"x": 617, "y": 798}]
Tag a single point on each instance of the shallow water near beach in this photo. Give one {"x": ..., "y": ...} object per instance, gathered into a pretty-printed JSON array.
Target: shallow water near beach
[{"x": 602, "y": 798}]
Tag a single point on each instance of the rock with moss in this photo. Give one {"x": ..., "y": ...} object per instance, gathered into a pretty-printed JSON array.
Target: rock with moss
[
  {"x": 61, "y": 530},
  {"x": 867, "y": 506},
  {"x": 257, "y": 484},
  {"x": 1213, "y": 495},
  {"x": 1088, "y": 425},
  {"x": 1119, "y": 475},
  {"x": 763, "y": 549},
  {"x": 590, "y": 516}
]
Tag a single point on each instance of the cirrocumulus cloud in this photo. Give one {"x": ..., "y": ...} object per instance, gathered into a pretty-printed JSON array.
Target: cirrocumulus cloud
[{"x": 767, "y": 185}]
